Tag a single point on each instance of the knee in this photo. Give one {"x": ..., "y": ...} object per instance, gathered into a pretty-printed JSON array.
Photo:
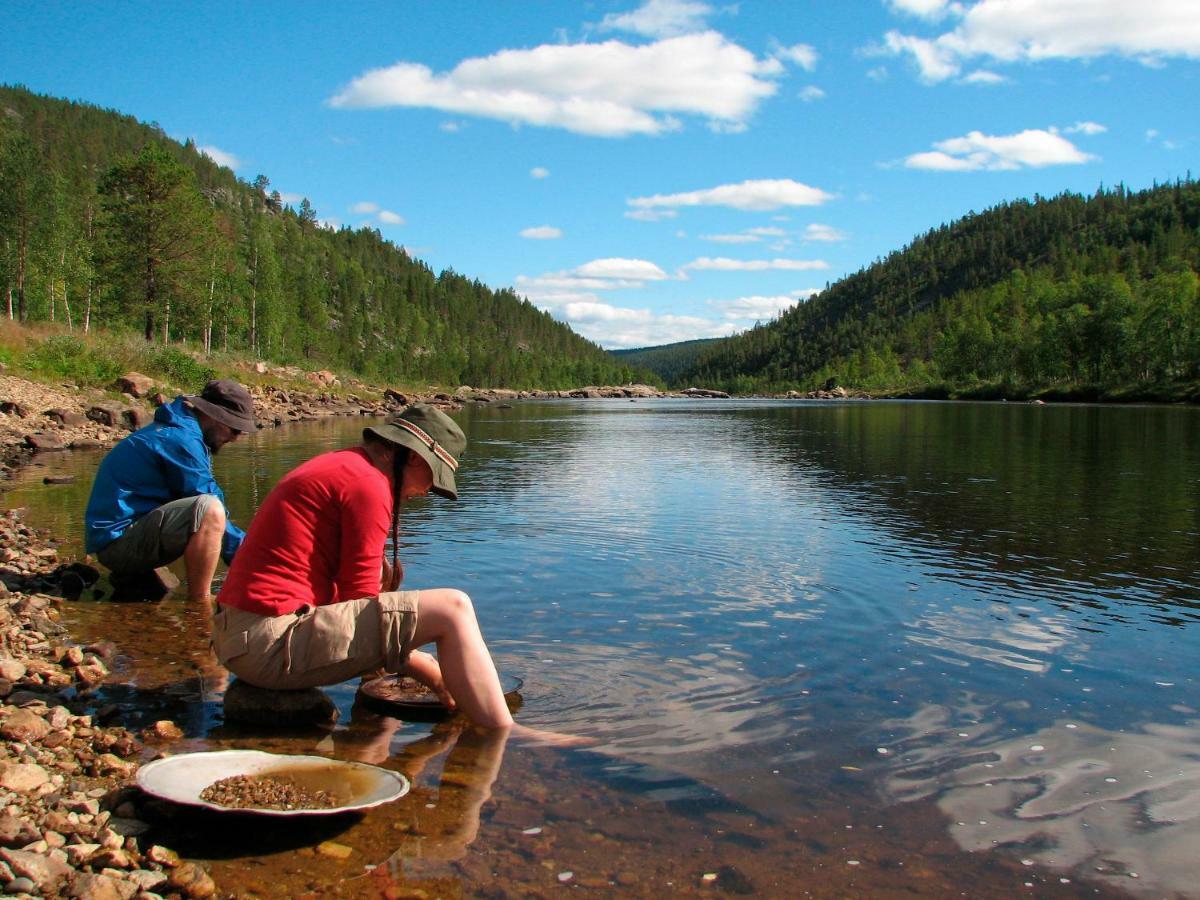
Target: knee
[
  {"x": 213, "y": 518},
  {"x": 459, "y": 603}
]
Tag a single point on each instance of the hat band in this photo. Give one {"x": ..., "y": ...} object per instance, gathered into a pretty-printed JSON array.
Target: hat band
[{"x": 441, "y": 452}]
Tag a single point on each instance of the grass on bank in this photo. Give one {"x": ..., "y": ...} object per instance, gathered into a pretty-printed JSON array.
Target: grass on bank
[{"x": 49, "y": 353}]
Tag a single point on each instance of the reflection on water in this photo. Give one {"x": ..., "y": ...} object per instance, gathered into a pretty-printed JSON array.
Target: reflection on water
[
  {"x": 833, "y": 624},
  {"x": 1116, "y": 805}
]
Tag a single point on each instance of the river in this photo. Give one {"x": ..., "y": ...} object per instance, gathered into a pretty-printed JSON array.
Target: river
[{"x": 822, "y": 648}]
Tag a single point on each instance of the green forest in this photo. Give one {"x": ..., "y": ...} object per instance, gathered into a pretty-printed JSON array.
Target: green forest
[
  {"x": 668, "y": 361},
  {"x": 107, "y": 224},
  {"x": 1072, "y": 296}
]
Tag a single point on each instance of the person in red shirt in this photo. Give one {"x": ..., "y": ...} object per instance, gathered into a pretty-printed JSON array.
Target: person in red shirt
[{"x": 310, "y": 599}]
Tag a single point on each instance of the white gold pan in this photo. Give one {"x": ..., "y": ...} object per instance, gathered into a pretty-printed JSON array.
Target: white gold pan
[{"x": 181, "y": 779}]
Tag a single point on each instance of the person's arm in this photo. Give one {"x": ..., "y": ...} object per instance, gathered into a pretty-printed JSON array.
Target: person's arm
[
  {"x": 187, "y": 469},
  {"x": 363, "y": 523}
]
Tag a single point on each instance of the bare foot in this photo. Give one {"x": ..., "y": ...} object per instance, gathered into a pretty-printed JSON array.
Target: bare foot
[{"x": 551, "y": 738}]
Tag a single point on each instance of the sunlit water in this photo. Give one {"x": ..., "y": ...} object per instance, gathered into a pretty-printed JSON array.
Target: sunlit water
[{"x": 795, "y": 610}]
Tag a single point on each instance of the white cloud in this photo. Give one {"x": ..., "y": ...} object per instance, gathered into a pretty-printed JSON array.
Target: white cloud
[
  {"x": 817, "y": 232},
  {"x": 661, "y": 18},
  {"x": 802, "y": 55},
  {"x": 539, "y": 172},
  {"x": 984, "y": 77},
  {"x": 651, "y": 215},
  {"x": 616, "y": 267},
  {"x": 757, "y": 195},
  {"x": 724, "y": 264},
  {"x": 811, "y": 93},
  {"x": 1088, "y": 128},
  {"x": 1032, "y": 148},
  {"x": 743, "y": 238},
  {"x": 767, "y": 231},
  {"x": 619, "y": 327},
  {"x": 1016, "y": 31},
  {"x": 375, "y": 214},
  {"x": 747, "y": 310},
  {"x": 935, "y": 62},
  {"x": 609, "y": 274},
  {"x": 452, "y": 126},
  {"x": 608, "y": 89},
  {"x": 542, "y": 233},
  {"x": 221, "y": 157},
  {"x": 290, "y": 198},
  {"x": 924, "y": 9}
]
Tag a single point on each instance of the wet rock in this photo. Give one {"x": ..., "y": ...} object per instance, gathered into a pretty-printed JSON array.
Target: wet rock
[
  {"x": 143, "y": 586},
  {"x": 162, "y": 732},
  {"x": 45, "y": 871},
  {"x": 135, "y": 383},
  {"x": 24, "y": 725},
  {"x": 45, "y": 441},
  {"x": 334, "y": 850},
  {"x": 191, "y": 881},
  {"x": 163, "y": 856},
  {"x": 89, "y": 886},
  {"x": 259, "y": 706},
  {"x": 146, "y": 879}
]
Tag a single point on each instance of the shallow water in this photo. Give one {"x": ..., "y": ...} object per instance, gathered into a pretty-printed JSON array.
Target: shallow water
[{"x": 827, "y": 648}]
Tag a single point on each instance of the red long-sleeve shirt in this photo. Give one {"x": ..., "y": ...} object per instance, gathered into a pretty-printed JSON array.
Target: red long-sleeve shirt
[{"x": 318, "y": 538}]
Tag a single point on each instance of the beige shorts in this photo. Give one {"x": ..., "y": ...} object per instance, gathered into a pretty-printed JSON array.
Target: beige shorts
[{"x": 317, "y": 645}]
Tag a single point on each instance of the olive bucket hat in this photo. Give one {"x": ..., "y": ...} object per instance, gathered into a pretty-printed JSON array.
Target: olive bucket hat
[
  {"x": 431, "y": 433},
  {"x": 227, "y": 402}
]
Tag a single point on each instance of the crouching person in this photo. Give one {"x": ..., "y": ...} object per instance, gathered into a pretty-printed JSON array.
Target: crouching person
[
  {"x": 311, "y": 600},
  {"x": 155, "y": 500}
]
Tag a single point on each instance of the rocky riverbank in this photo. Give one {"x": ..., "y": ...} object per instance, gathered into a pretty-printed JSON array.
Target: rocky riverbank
[
  {"x": 68, "y": 819},
  {"x": 69, "y": 813}
]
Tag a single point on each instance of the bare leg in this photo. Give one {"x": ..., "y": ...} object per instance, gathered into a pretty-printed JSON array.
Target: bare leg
[
  {"x": 203, "y": 551},
  {"x": 447, "y": 618}
]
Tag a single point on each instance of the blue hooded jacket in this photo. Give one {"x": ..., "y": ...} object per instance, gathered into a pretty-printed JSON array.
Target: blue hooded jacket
[{"x": 167, "y": 460}]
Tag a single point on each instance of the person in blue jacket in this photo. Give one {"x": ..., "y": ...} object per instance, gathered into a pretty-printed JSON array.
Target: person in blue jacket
[{"x": 155, "y": 500}]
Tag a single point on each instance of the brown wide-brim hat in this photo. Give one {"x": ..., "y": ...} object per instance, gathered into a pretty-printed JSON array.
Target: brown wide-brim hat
[
  {"x": 432, "y": 434},
  {"x": 228, "y": 402}
]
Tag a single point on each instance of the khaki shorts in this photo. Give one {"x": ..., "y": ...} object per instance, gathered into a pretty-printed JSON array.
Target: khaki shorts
[
  {"x": 317, "y": 645},
  {"x": 159, "y": 537}
]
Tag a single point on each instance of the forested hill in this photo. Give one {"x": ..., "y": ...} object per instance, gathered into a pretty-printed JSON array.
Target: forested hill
[
  {"x": 668, "y": 361},
  {"x": 105, "y": 222},
  {"x": 1080, "y": 295}
]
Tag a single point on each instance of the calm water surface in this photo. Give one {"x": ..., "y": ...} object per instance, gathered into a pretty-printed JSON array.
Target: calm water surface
[{"x": 822, "y": 648}]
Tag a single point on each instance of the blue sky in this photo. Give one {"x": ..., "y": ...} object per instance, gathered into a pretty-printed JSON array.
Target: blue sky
[{"x": 649, "y": 172}]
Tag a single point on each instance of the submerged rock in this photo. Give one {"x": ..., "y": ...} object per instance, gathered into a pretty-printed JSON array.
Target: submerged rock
[{"x": 259, "y": 706}]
